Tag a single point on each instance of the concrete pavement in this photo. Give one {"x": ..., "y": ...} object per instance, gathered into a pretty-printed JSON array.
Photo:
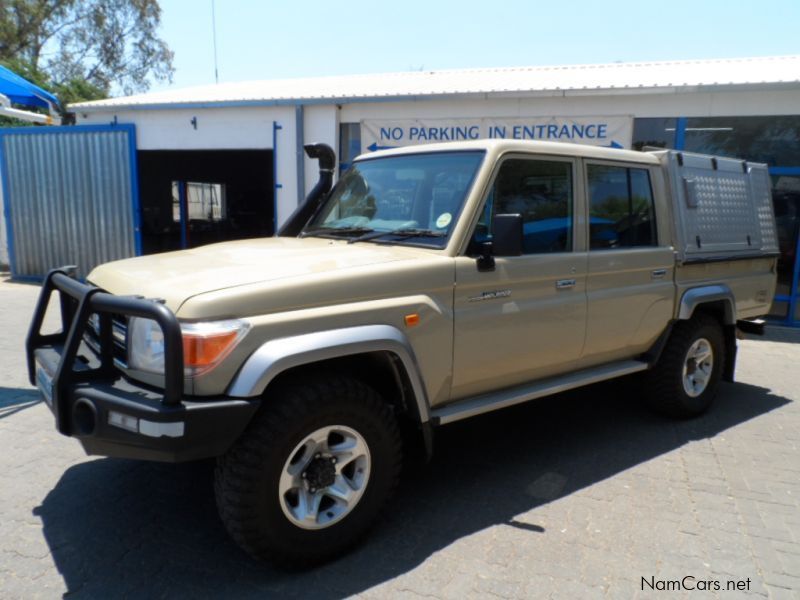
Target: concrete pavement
[{"x": 582, "y": 495}]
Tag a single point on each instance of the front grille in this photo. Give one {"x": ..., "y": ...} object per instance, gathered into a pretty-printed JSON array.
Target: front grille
[{"x": 119, "y": 332}]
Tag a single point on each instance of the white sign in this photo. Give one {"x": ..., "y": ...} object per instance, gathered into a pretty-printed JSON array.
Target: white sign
[{"x": 613, "y": 132}]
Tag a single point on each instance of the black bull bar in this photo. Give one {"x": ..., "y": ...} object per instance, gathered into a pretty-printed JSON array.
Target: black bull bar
[{"x": 78, "y": 301}]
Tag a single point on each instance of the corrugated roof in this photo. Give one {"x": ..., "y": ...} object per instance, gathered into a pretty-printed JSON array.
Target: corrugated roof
[{"x": 569, "y": 79}]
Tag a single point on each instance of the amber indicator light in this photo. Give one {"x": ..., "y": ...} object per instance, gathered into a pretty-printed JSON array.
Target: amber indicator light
[{"x": 412, "y": 320}]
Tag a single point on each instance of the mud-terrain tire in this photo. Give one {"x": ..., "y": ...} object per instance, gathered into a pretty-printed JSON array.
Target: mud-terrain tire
[
  {"x": 683, "y": 383},
  {"x": 321, "y": 434}
]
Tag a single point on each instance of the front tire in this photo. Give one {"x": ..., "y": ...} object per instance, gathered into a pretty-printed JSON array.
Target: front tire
[
  {"x": 311, "y": 473},
  {"x": 684, "y": 381}
]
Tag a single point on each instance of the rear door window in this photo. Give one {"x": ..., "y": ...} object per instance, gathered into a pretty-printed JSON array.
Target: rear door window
[{"x": 621, "y": 210}]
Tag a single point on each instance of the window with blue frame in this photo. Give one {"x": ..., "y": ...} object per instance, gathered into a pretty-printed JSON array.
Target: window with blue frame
[
  {"x": 774, "y": 140},
  {"x": 786, "y": 201}
]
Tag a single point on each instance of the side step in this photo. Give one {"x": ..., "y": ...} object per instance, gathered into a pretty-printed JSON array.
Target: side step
[{"x": 463, "y": 409}]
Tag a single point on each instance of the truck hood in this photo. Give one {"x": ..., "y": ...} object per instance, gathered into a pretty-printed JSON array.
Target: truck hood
[{"x": 177, "y": 276}]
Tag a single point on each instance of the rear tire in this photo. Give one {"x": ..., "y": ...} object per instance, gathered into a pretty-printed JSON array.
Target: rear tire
[
  {"x": 684, "y": 381},
  {"x": 311, "y": 473}
]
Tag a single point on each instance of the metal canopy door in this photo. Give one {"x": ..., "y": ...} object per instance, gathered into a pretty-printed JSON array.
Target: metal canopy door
[{"x": 70, "y": 197}]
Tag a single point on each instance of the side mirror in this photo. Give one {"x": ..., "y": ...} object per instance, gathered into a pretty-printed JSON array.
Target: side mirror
[{"x": 507, "y": 235}]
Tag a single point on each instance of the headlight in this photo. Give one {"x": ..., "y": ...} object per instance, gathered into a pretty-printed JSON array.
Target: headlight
[
  {"x": 204, "y": 344},
  {"x": 145, "y": 345}
]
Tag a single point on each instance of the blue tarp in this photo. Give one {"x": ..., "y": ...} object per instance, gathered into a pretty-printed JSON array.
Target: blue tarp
[{"x": 22, "y": 91}]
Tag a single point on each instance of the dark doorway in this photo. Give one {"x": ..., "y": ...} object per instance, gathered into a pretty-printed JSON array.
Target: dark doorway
[{"x": 194, "y": 197}]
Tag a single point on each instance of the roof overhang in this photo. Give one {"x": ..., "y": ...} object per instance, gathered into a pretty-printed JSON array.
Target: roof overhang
[
  {"x": 616, "y": 79},
  {"x": 254, "y": 103}
]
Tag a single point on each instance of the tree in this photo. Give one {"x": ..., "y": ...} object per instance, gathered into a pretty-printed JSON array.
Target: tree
[{"x": 84, "y": 49}]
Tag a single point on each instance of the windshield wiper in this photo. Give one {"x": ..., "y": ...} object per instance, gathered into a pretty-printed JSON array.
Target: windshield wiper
[
  {"x": 335, "y": 231},
  {"x": 402, "y": 233}
]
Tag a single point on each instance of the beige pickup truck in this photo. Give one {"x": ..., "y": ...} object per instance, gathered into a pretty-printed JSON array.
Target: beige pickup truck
[{"x": 430, "y": 284}]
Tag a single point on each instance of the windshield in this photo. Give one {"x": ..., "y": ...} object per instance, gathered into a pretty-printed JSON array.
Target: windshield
[{"x": 413, "y": 199}]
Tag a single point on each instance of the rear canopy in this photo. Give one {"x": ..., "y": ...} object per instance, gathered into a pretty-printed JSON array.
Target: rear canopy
[{"x": 722, "y": 206}]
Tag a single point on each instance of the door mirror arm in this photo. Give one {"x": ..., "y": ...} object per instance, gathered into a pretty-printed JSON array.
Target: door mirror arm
[{"x": 485, "y": 260}]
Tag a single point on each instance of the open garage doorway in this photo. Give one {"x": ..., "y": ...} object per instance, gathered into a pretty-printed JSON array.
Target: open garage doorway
[{"x": 191, "y": 198}]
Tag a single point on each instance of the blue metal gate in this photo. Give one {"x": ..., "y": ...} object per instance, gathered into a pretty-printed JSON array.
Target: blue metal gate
[{"x": 70, "y": 196}]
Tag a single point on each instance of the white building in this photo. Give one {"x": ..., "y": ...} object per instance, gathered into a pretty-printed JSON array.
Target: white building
[{"x": 243, "y": 141}]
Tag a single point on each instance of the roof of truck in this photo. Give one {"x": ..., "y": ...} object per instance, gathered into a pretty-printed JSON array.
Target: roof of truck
[
  {"x": 497, "y": 147},
  {"x": 556, "y": 80}
]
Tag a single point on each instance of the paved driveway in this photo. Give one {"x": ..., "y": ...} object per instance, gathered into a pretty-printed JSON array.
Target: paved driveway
[{"x": 582, "y": 495}]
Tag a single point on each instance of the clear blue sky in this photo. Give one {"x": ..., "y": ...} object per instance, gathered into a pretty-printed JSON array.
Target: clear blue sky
[{"x": 290, "y": 38}]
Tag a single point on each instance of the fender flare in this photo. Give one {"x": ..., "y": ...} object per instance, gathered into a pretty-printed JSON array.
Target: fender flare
[
  {"x": 695, "y": 297},
  {"x": 278, "y": 355}
]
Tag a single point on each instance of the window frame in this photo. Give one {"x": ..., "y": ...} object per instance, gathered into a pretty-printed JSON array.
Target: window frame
[
  {"x": 187, "y": 184},
  {"x": 657, "y": 216},
  {"x": 579, "y": 232},
  {"x": 447, "y": 240}
]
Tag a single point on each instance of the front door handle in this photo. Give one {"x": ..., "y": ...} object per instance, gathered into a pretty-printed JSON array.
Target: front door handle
[
  {"x": 658, "y": 273},
  {"x": 563, "y": 284}
]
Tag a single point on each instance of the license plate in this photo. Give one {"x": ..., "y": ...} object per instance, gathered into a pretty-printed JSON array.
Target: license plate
[{"x": 45, "y": 384}]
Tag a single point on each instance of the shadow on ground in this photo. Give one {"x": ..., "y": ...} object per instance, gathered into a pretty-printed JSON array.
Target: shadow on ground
[
  {"x": 777, "y": 333},
  {"x": 5, "y": 277},
  {"x": 121, "y": 528},
  {"x": 14, "y": 400}
]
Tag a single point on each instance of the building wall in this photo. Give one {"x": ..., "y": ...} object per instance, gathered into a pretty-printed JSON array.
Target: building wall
[
  {"x": 686, "y": 104},
  {"x": 321, "y": 125},
  {"x": 251, "y": 127},
  {"x": 240, "y": 128}
]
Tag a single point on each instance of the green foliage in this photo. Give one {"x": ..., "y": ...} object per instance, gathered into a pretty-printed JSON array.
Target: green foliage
[
  {"x": 78, "y": 90},
  {"x": 84, "y": 49}
]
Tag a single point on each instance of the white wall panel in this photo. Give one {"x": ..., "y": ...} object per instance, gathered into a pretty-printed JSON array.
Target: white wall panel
[
  {"x": 321, "y": 125},
  {"x": 683, "y": 104}
]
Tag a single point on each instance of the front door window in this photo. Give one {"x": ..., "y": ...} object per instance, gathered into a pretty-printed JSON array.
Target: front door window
[{"x": 541, "y": 192}]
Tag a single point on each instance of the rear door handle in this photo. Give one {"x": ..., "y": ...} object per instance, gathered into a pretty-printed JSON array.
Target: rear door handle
[
  {"x": 658, "y": 273},
  {"x": 563, "y": 284}
]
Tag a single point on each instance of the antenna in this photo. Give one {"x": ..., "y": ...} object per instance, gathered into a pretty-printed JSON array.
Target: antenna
[{"x": 214, "y": 32}]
